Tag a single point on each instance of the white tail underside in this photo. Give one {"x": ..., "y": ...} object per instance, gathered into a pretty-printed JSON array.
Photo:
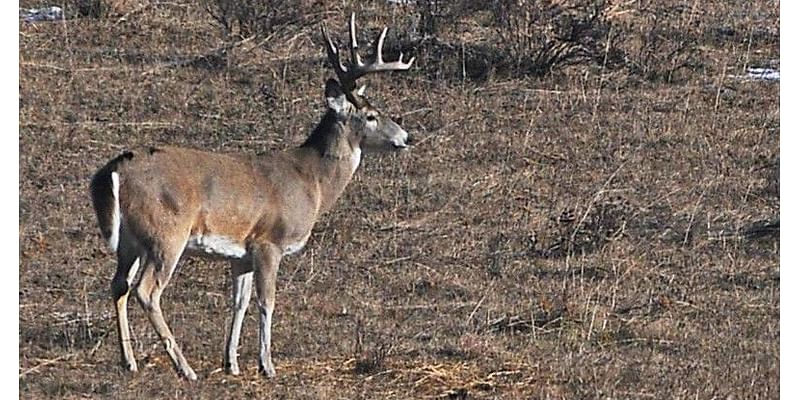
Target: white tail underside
[{"x": 113, "y": 240}]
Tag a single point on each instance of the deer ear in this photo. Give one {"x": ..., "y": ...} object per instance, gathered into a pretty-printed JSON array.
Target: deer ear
[{"x": 335, "y": 97}]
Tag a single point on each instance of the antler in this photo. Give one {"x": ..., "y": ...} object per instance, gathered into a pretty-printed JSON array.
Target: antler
[{"x": 356, "y": 69}]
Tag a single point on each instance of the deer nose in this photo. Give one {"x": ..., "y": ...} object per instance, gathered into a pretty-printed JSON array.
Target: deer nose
[
  {"x": 410, "y": 139},
  {"x": 400, "y": 141}
]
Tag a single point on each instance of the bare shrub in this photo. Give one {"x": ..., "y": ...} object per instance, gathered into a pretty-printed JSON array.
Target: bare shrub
[
  {"x": 579, "y": 232},
  {"x": 651, "y": 39},
  {"x": 369, "y": 358},
  {"x": 431, "y": 15},
  {"x": 436, "y": 16},
  {"x": 663, "y": 45},
  {"x": 91, "y": 8},
  {"x": 240, "y": 19},
  {"x": 541, "y": 36}
]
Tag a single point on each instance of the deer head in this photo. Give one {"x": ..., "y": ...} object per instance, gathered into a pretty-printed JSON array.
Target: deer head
[{"x": 371, "y": 129}]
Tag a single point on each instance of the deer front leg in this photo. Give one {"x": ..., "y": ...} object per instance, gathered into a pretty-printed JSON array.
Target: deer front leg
[
  {"x": 266, "y": 259},
  {"x": 242, "y": 275}
]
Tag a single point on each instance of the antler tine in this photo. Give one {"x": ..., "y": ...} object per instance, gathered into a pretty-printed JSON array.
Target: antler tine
[
  {"x": 333, "y": 55},
  {"x": 379, "y": 46},
  {"x": 354, "y": 57},
  {"x": 380, "y": 65}
]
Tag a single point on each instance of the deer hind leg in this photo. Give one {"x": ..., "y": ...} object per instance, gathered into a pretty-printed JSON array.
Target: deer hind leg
[
  {"x": 128, "y": 261},
  {"x": 266, "y": 259},
  {"x": 154, "y": 280},
  {"x": 242, "y": 276}
]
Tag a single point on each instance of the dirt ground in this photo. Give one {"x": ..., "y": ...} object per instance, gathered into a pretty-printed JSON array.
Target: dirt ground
[{"x": 592, "y": 232}]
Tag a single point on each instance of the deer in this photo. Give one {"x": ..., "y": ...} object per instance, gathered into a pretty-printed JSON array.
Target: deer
[{"x": 155, "y": 205}]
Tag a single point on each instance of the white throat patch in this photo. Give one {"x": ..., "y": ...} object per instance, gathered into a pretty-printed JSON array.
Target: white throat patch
[{"x": 355, "y": 159}]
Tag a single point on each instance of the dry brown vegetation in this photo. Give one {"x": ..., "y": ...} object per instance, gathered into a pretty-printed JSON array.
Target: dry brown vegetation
[{"x": 602, "y": 227}]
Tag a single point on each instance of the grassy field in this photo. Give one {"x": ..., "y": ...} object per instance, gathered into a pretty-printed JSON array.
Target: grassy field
[{"x": 604, "y": 228}]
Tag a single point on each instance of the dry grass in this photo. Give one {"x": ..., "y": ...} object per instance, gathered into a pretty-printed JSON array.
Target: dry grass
[{"x": 594, "y": 233}]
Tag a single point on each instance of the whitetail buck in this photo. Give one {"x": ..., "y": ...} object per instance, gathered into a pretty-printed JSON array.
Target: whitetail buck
[{"x": 155, "y": 204}]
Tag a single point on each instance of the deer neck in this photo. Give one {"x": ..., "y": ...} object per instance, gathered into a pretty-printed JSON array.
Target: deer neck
[{"x": 332, "y": 156}]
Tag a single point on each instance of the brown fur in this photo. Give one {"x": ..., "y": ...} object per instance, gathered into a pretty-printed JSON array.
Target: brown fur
[
  {"x": 184, "y": 189},
  {"x": 193, "y": 197}
]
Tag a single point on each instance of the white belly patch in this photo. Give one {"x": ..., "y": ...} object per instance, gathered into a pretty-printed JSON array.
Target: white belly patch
[{"x": 216, "y": 245}]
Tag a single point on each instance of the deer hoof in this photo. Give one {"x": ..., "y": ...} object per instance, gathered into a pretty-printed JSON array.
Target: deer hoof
[{"x": 268, "y": 371}]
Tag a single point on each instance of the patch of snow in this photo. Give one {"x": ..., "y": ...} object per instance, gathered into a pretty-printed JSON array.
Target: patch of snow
[
  {"x": 766, "y": 74},
  {"x": 52, "y": 13}
]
